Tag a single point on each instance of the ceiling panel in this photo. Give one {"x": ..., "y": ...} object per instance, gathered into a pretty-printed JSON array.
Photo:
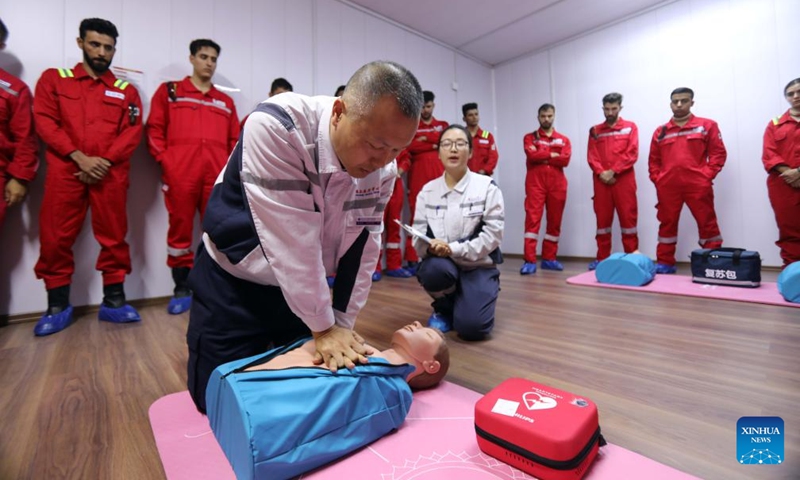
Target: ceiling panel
[{"x": 497, "y": 31}]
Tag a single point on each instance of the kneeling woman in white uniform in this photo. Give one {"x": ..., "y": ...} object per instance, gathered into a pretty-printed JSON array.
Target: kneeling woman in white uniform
[{"x": 462, "y": 212}]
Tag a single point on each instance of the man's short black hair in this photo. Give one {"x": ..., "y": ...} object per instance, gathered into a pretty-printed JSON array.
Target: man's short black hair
[
  {"x": 467, "y": 107},
  {"x": 613, "y": 97},
  {"x": 340, "y": 91},
  {"x": 281, "y": 82},
  {"x": 103, "y": 27},
  {"x": 683, "y": 90},
  {"x": 196, "y": 45},
  {"x": 547, "y": 106},
  {"x": 427, "y": 96},
  {"x": 3, "y": 32}
]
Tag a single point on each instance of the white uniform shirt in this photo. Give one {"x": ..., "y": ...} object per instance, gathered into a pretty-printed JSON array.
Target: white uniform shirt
[
  {"x": 306, "y": 209},
  {"x": 454, "y": 215}
]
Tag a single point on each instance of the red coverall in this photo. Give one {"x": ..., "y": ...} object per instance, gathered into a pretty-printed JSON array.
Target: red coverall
[
  {"x": 484, "y": 153},
  {"x": 18, "y": 155},
  {"x": 394, "y": 209},
  {"x": 545, "y": 186},
  {"x": 425, "y": 166},
  {"x": 100, "y": 117},
  {"x": 782, "y": 147},
  {"x": 615, "y": 148},
  {"x": 191, "y": 134},
  {"x": 683, "y": 164}
]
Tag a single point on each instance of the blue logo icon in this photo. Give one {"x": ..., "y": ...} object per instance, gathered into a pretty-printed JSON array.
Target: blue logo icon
[{"x": 759, "y": 440}]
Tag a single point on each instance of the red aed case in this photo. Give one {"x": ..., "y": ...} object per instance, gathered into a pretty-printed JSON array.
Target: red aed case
[{"x": 543, "y": 431}]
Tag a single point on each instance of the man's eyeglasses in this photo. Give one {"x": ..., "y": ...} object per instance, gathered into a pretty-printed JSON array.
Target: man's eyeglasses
[{"x": 448, "y": 144}]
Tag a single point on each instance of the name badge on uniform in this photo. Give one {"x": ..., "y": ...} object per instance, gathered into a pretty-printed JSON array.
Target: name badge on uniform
[
  {"x": 218, "y": 102},
  {"x": 369, "y": 221},
  {"x": 485, "y": 142},
  {"x": 111, "y": 93}
]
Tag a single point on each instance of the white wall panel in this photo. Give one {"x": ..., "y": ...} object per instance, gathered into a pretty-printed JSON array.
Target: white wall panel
[{"x": 474, "y": 85}]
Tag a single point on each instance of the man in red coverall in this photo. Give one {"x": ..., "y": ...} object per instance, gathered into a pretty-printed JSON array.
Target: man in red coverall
[
  {"x": 547, "y": 152},
  {"x": 425, "y": 163},
  {"x": 191, "y": 131},
  {"x": 91, "y": 123},
  {"x": 782, "y": 161},
  {"x": 686, "y": 154},
  {"x": 613, "y": 149},
  {"x": 394, "y": 209},
  {"x": 484, "y": 151},
  {"x": 18, "y": 155}
]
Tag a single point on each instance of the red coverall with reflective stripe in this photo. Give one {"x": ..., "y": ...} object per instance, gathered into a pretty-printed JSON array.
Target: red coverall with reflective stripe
[
  {"x": 99, "y": 119},
  {"x": 484, "y": 153},
  {"x": 615, "y": 148},
  {"x": 394, "y": 209},
  {"x": 683, "y": 164},
  {"x": 782, "y": 147},
  {"x": 191, "y": 134},
  {"x": 425, "y": 166},
  {"x": 545, "y": 187},
  {"x": 18, "y": 155}
]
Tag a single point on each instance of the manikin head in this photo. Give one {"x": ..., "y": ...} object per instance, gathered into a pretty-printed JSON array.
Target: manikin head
[
  {"x": 426, "y": 349},
  {"x": 375, "y": 118}
]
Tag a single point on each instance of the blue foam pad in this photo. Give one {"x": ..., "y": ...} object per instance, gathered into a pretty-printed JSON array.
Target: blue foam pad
[
  {"x": 789, "y": 283},
  {"x": 632, "y": 269}
]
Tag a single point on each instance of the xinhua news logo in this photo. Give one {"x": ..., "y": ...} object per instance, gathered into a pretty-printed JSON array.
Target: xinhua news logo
[{"x": 759, "y": 441}]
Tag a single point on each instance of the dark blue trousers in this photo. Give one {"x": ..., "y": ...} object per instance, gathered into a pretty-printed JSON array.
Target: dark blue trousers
[
  {"x": 232, "y": 319},
  {"x": 467, "y": 296}
]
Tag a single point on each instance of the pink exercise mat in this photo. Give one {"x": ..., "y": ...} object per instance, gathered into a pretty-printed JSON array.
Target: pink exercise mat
[
  {"x": 683, "y": 285},
  {"x": 437, "y": 442}
]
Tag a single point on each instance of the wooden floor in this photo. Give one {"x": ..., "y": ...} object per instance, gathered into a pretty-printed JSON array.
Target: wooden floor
[{"x": 671, "y": 375}]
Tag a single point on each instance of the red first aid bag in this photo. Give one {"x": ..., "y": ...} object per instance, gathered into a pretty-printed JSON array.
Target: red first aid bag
[{"x": 543, "y": 431}]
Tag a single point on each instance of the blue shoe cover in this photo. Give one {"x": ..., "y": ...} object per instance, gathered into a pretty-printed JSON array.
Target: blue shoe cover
[
  {"x": 376, "y": 276},
  {"x": 527, "y": 269},
  {"x": 330, "y": 280},
  {"x": 123, "y": 314},
  {"x": 50, "y": 324},
  {"x": 398, "y": 273},
  {"x": 441, "y": 322},
  {"x": 593, "y": 265},
  {"x": 552, "y": 265},
  {"x": 178, "y": 305},
  {"x": 412, "y": 267},
  {"x": 665, "y": 269}
]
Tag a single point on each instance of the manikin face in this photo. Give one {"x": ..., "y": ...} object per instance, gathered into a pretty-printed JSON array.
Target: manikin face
[
  {"x": 454, "y": 151},
  {"x": 472, "y": 118},
  {"x": 204, "y": 62},
  {"x": 611, "y": 112},
  {"x": 98, "y": 51},
  {"x": 427, "y": 111},
  {"x": 793, "y": 96},
  {"x": 546, "y": 119},
  {"x": 420, "y": 342},
  {"x": 681, "y": 105},
  {"x": 365, "y": 143}
]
